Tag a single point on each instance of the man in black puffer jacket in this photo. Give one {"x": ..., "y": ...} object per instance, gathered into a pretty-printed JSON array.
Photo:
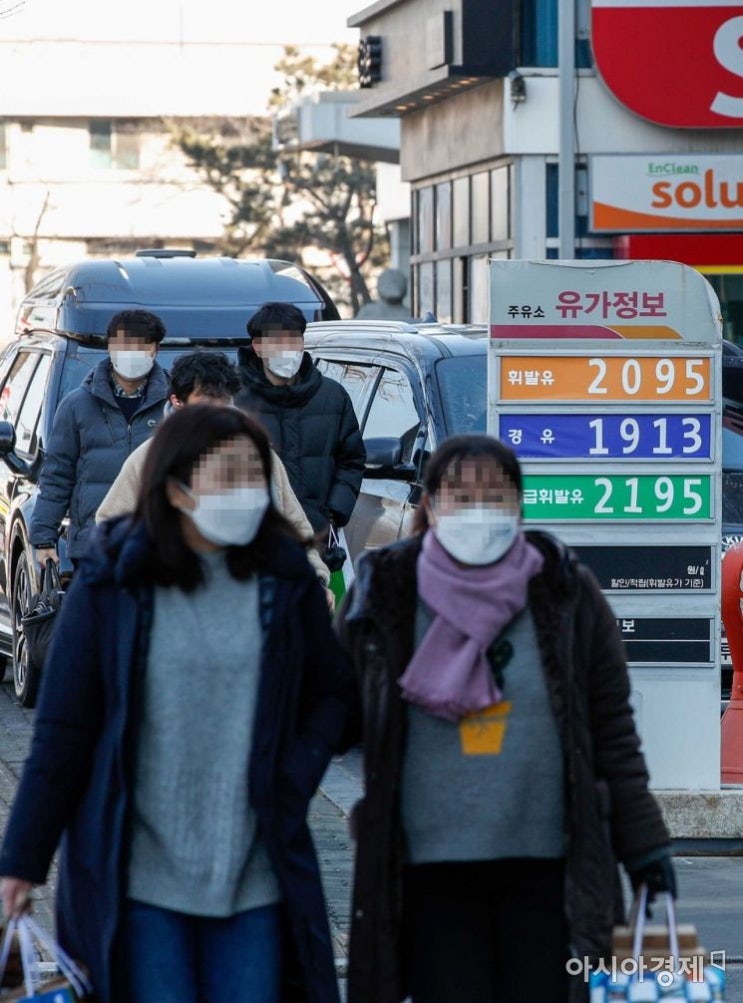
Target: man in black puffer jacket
[
  {"x": 95, "y": 428},
  {"x": 309, "y": 417}
]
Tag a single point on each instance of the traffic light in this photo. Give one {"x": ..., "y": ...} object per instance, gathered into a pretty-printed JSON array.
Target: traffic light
[{"x": 370, "y": 60}]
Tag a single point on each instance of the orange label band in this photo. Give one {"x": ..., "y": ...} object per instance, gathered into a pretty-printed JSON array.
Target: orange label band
[{"x": 604, "y": 378}]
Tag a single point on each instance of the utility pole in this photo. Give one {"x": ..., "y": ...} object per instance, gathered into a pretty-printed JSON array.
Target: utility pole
[{"x": 566, "y": 149}]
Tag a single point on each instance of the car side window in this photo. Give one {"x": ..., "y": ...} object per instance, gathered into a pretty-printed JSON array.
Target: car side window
[
  {"x": 27, "y": 423},
  {"x": 393, "y": 412},
  {"x": 356, "y": 378},
  {"x": 14, "y": 389}
]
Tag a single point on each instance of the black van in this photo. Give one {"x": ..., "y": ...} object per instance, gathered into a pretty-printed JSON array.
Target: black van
[{"x": 60, "y": 337}]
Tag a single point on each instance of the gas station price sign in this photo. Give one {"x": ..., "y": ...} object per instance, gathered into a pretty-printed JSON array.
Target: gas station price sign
[{"x": 604, "y": 378}]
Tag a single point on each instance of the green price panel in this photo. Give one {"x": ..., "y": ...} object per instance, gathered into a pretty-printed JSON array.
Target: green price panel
[{"x": 618, "y": 497}]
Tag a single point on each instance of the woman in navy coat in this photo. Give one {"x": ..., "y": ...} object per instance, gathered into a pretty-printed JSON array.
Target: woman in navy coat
[{"x": 84, "y": 782}]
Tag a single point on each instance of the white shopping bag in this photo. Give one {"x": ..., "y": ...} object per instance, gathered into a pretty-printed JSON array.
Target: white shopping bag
[
  {"x": 73, "y": 984},
  {"x": 669, "y": 979}
]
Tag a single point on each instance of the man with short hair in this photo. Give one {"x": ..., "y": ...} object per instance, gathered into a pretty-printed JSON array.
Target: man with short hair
[
  {"x": 309, "y": 417},
  {"x": 95, "y": 428},
  {"x": 203, "y": 377}
]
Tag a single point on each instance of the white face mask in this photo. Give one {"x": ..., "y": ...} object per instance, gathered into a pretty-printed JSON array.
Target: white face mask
[
  {"x": 478, "y": 534},
  {"x": 229, "y": 518},
  {"x": 132, "y": 365},
  {"x": 285, "y": 364}
]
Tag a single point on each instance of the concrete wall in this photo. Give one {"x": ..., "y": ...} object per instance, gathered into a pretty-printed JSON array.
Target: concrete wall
[{"x": 462, "y": 130}]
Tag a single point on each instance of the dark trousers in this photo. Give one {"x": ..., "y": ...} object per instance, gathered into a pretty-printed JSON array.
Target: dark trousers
[{"x": 486, "y": 932}]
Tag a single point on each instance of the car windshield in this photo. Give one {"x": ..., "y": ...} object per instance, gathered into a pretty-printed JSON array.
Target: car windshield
[
  {"x": 82, "y": 359},
  {"x": 463, "y": 386}
]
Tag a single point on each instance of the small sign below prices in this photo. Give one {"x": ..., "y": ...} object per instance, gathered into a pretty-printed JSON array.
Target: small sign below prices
[
  {"x": 667, "y": 640},
  {"x": 649, "y": 569}
]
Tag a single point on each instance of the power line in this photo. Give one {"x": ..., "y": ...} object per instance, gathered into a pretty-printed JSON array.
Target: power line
[{"x": 13, "y": 9}]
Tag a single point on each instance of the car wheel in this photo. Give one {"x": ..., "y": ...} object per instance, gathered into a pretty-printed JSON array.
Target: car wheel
[{"x": 26, "y": 675}]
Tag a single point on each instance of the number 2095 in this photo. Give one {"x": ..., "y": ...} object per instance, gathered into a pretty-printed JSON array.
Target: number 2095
[{"x": 647, "y": 377}]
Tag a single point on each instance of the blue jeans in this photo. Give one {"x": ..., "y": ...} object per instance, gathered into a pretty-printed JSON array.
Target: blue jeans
[{"x": 170, "y": 957}]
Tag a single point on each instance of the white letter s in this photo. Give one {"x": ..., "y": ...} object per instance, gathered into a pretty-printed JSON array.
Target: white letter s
[{"x": 730, "y": 55}]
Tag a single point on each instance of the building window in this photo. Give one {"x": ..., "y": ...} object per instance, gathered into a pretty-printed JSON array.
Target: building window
[
  {"x": 126, "y": 146},
  {"x": 426, "y": 303},
  {"x": 459, "y": 223},
  {"x": 100, "y": 143},
  {"x": 443, "y": 291},
  {"x": 3, "y": 146},
  {"x": 480, "y": 208},
  {"x": 443, "y": 216},
  {"x": 114, "y": 146},
  {"x": 500, "y": 203},
  {"x": 461, "y": 212},
  {"x": 539, "y": 33},
  {"x": 425, "y": 220}
]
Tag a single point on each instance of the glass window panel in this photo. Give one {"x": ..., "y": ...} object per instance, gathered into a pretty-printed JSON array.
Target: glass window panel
[
  {"x": 539, "y": 33},
  {"x": 552, "y": 180},
  {"x": 463, "y": 382},
  {"x": 426, "y": 302},
  {"x": 425, "y": 220},
  {"x": 357, "y": 380},
  {"x": 499, "y": 203},
  {"x": 479, "y": 290},
  {"x": 443, "y": 216},
  {"x": 480, "y": 208},
  {"x": 126, "y": 147},
  {"x": 459, "y": 290},
  {"x": 28, "y": 417},
  {"x": 461, "y": 212},
  {"x": 443, "y": 291},
  {"x": 11, "y": 396},
  {"x": 393, "y": 412},
  {"x": 100, "y": 143}
]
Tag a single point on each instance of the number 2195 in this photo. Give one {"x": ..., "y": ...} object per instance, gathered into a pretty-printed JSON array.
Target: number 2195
[{"x": 680, "y": 496}]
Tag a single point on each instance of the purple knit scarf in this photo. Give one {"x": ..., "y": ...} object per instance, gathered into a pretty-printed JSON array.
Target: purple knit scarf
[{"x": 449, "y": 675}]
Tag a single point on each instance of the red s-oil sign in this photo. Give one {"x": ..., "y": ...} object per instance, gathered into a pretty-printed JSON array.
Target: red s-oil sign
[{"x": 676, "y": 62}]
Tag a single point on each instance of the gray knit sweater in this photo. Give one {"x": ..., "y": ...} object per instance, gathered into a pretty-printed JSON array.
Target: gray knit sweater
[
  {"x": 194, "y": 843},
  {"x": 491, "y": 787}
]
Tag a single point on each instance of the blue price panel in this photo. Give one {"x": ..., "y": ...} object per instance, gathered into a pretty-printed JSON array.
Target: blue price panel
[{"x": 608, "y": 436}]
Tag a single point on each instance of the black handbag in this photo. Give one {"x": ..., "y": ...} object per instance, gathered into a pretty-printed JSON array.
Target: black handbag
[
  {"x": 39, "y": 619},
  {"x": 334, "y": 555}
]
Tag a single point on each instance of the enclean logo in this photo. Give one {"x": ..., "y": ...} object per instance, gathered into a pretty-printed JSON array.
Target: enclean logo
[{"x": 670, "y": 168}]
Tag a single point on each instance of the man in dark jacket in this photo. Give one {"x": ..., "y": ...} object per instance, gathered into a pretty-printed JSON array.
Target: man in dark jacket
[
  {"x": 95, "y": 428},
  {"x": 309, "y": 417}
]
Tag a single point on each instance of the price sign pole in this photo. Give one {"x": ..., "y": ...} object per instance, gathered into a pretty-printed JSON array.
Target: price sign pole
[{"x": 606, "y": 380}]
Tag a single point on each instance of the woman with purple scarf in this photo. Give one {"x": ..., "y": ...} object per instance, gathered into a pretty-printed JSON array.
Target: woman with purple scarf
[{"x": 504, "y": 778}]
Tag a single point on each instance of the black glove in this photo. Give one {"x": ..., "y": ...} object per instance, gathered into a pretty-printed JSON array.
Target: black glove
[{"x": 658, "y": 874}]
